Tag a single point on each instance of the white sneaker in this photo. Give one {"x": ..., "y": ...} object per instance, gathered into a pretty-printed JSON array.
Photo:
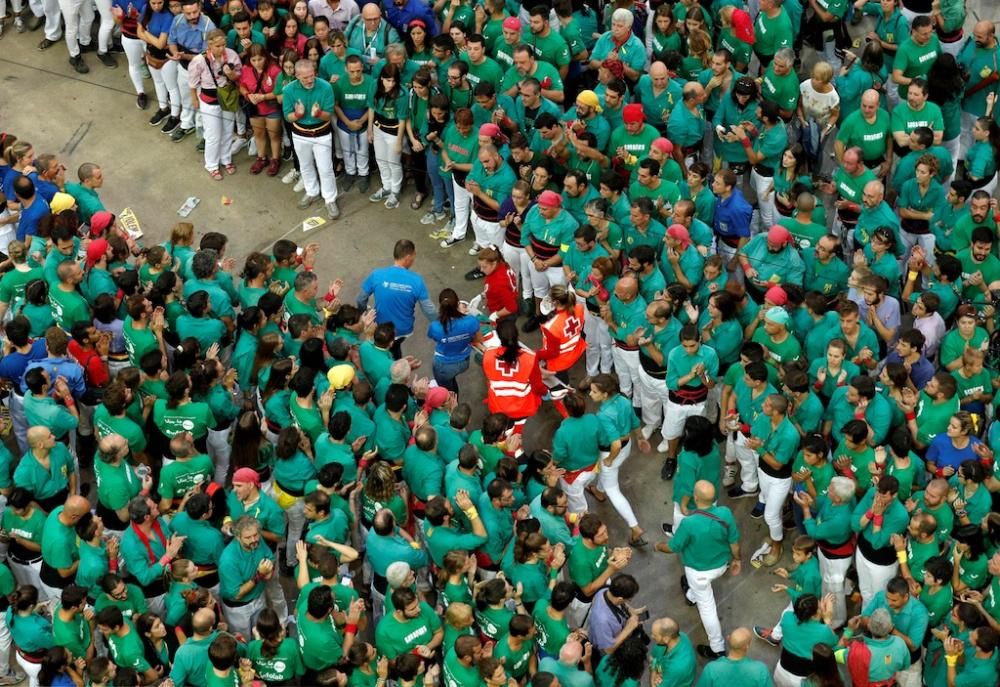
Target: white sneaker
[
  {"x": 238, "y": 144},
  {"x": 729, "y": 474},
  {"x": 291, "y": 176},
  {"x": 392, "y": 201},
  {"x": 428, "y": 218},
  {"x": 761, "y": 551},
  {"x": 648, "y": 431},
  {"x": 299, "y": 185},
  {"x": 475, "y": 249},
  {"x": 19, "y": 25},
  {"x": 662, "y": 446}
]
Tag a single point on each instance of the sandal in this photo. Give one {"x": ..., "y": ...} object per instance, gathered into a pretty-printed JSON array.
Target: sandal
[
  {"x": 230, "y": 168},
  {"x": 215, "y": 174},
  {"x": 418, "y": 201},
  {"x": 638, "y": 543},
  {"x": 597, "y": 493}
]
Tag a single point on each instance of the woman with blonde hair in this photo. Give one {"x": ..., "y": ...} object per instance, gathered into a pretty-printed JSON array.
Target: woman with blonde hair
[{"x": 819, "y": 111}]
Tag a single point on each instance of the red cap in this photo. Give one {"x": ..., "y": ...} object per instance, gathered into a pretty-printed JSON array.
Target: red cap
[
  {"x": 616, "y": 67},
  {"x": 679, "y": 232},
  {"x": 663, "y": 145},
  {"x": 436, "y": 397},
  {"x": 776, "y": 295},
  {"x": 100, "y": 221},
  {"x": 246, "y": 476},
  {"x": 550, "y": 199},
  {"x": 743, "y": 27},
  {"x": 97, "y": 249},
  {"x": 512, "y": 23},
  {"x": 633, "y": 113},
  {"x": 778, "y": 235}
]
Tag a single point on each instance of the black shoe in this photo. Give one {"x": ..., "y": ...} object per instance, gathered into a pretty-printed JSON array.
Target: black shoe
[
  {"x": 669, "y": 469},
  {"x": 107, "y": 59},
  {"x": 684, "y": 590},
  {"x": 474, "y": 274},
  {"x": 90, "y": 47},
  {"x": 79, "y": 65},
  {"x": 668, "y": 528},
  {"x": 45, "y": 44},
  {"x": 740, "y": 493},
  {"x": 287, "y": 153},
  {"x": 201, "y": 146},
  {"x": 158, "y": 117},
  {"x": 705, "y": 651},
  {"x": 758, "y": 511},
  {"x": 141, "y": 101},
  {"x": 179, "y": 133},
  {"x": 531, "y": 324},
  {"x": 169, "y": 124}
]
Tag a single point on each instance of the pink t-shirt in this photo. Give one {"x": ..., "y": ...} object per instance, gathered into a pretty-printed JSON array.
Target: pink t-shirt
[{"x": 252, "y": 81}]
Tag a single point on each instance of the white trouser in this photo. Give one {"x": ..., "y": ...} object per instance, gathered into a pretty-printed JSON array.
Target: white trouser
[
  {"x": 242, "y": 618},
  {"x": 700, "y": 591},
  {"x": 517, "y": 258},
  {"x": 462, "y": 210},
  {"x": 575, "y": 492},
  {"x": 53, "y": 19},
  {"x": 773, "y": 492},
  {"x": 953, "y": 146},
  {"x": 678, "y": 515},
  {"x": 608, "y": 481},
  {"x": 316, "y": 165},
  {"x": 354, "y": 146},
  {"x": 15, "y": 404},
  {"x": 275, "y": 597},
  {"x": 737, "y": 451},
  {"x": 599, "y": 346},
  {"x": 952, "y": 48},
  {"x": 776, "y": 631},
  {"x": 965, "y": 139},
  {"x": 184, "y": 91},
  {"x": 390, "y": 167},
  {"x": 106, "y": 26},
  {"x": 872, "y": 578},
  {"x": 218, "y": 127},
  {"x": 220, "y": 450},
  {"x": 79, "y": 17},
  {"x": 487, "y": 233},
  {"x": 542, "y": 281},
  {"x": 765, "y": 200},
  {"x": 18, "y": 7},
  {"x": 4, "y": 646},
  {"x": 378, "y": 605},
  {"x": 925, "y": 241},
  {"x": 296, "y": 518},
  {"x": 27, "y": 574},
  {"x": 627, "y": 368},
  {"x": 653, "y": 395},
  {"x": 834, "y": 572},
  {"x": 677, "y": 415},
  {"x": 165, "y": 81},
  {"x": 783, "y": 678},
  {"x": 135, "y": 51},
  {"x": 911, "y": 676},
  {"x": 30, "y": 669}
]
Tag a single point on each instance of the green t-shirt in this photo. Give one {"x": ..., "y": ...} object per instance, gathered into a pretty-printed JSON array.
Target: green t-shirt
[
  {"x": 128, "y": 651},
  {"x": 915, "y": 60},
  {"x": 703, "y": 539},
  {"x": 284, "y": 665}
]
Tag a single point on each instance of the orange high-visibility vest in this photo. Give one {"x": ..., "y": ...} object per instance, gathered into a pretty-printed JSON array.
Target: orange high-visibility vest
[
  {"x": 564, "y": 333},
  {"x": 508, "y": 387}
]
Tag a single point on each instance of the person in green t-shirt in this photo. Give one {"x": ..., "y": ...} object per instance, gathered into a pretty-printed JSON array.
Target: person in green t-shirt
[
  {"x": 764, "y": 150},
  {"x": 124, "y": 643},
  {"x": 916, "y": 54},
  {"x": 73, "y": 623}
]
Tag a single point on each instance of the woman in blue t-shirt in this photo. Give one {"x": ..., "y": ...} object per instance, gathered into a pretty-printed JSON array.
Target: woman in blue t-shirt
[{"x": 454, "y": 334}]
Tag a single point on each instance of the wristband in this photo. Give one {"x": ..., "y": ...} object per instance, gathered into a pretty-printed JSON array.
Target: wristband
[
  {"x": 912, "y": 275},
  {"x": 911, "y": 416},
  {"x": 414, "y": 545},
  {"x": 870, "y": 514},
  {"x": 553, "y": 573},
  {"x": 746, "y": 143},
  {"x": 961, "y": 513},
  {"x": 471, "y": 513},
  {"x": 329, "y": 297},
  {"x": 952, "y": 661},
  {"x": 113, "y": 564},
  {"x": 878, "y": 520},
  {"x": 351, "y": 628},
  {"x": 848, "y": 633},
  {"x": 901, "y": 556},
  {"x": 164, "y": 560},
  {"x": 939, "y": 472}
]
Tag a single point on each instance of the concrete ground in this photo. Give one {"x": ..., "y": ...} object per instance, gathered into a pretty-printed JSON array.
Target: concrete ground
[{"x": 93, "y": 118}]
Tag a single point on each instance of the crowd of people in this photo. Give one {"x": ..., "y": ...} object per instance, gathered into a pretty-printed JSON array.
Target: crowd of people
[{"x": 781, "y": 264}]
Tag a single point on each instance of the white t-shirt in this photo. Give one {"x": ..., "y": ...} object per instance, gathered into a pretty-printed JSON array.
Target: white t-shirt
[{"x": 816, "y": 105}]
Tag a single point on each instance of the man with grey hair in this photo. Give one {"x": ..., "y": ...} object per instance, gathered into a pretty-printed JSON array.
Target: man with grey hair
[
  {"x": 244, "y": 569},
  {"x": 567, "y": 667},
  {"x": 889, "y": 654},
  {"x": 827, "y": 519},
  {"x": 620, "y": 43}
]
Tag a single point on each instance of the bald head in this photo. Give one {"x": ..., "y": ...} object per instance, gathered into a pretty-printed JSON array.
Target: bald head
[
  {"x": 627, "y": 288},
  {"x": 37, "y": 436},
  {"x": 658, "y": 70},
  {"x": 571, "y": 653},
  {"x": 984, "y": 33},
  {"x": 76, "y": 505},
  {"x": 739, "y": 640},
  {"x": 870, "y": 97},
  {"x": 664, "y": 629},
  {"x": 203, "y": 621},
  {"x": 704, "y": 493}
]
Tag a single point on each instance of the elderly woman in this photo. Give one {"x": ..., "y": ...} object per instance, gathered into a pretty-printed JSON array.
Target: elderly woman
[
  {"x": 621, "y": 44},
  {"x": 208, "y": 73}
]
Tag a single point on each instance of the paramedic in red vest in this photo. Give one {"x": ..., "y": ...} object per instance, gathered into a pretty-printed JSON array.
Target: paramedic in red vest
[
  {"x": 562, "y": 333},
  {"x": 513, "y": 377}
]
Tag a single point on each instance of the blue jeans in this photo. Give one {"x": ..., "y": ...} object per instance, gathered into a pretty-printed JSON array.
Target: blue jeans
[
  {"x": 445, "y": 373},
  {"x": 438, "y": 185}
]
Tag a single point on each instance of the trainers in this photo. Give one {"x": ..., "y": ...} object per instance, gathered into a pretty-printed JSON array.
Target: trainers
[
  {"x": 258, "y": 165},
  {"x": 201, "y": 146},
  {"x": 45, "y": 44},
  {"x": 300, "y": 184},
  {"x": 669, "y": 469},
  {"x": 758, "y": 511},
  {"x": 332, "y": 210},
  {"x": 13, "y": 678},
  {"x": 346, "y": 183},
  {"x": 19, "y": 25},
  {"x": 440, "y": 234},
  {"x": 474, "y": 251},
  {"x": 648, "y": 431},
  {"x": 158, "y": 117},
  {"x": 107, "y": 59},
  {"x": 141, "y": 101},
  {"x": 667, "y": 528},
  {"x": 291, "y": 176},
  {"x": 79, "y": 65},
  {"x": 378, "y": 196},
  {"x": 741, "y": 493},
  {"x": 363, "y": 184},
  {"x": 170, "y": 125},
  {"x": 307, "y": 200},
  {"x": 765, "y": 634},
  {"x": 180, "y": 133},
  {"x": 663, "y": 446},
  {"x": 449, "y": 242},
  {"x": 729, "y": 473},
  {"x": 474, "y": 274},
  {"x": 428, "y": 218},
  {"x": 392, "y": 202},
  {"x": 440, "y": 216},
  {"x": 89, "y": 47},
  {"x": 757, "y": 559},
  {"x": 237, "y": 145},
  {"x": 287, "y": 153}
]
